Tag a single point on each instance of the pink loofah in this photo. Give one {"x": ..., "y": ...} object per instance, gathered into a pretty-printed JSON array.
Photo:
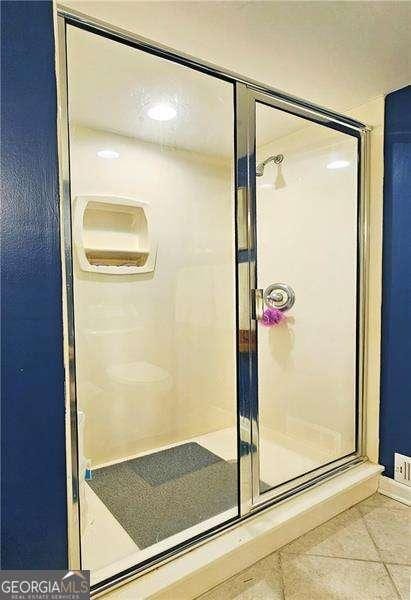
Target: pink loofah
[{"x": 272, "y": 317}]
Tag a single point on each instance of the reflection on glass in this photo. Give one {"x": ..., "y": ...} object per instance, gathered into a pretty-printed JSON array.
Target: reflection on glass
[
  {"x": 307, "y": 239},
  {"x": 154, "y": 285}
]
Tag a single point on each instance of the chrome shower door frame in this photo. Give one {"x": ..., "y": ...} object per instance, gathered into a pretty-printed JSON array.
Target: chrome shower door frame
[
  {"x": 247, "y": 98},
  {"x": 246, "y": 92}
]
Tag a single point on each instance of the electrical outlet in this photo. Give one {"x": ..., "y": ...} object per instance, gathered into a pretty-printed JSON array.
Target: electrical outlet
[{"x": 402, "y": 468}]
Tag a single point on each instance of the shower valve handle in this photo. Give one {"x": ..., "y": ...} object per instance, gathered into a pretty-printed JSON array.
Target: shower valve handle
[
  {"x": 280, "y": 296},
  {"x": 277, "y": 295}
]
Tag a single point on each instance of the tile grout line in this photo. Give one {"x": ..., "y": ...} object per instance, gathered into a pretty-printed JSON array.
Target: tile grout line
[
  {"x": 389, "y": 506},
  {"x": 373, "y": 560},
  {"x": 393, "y": 503},
  {"x": 280, "y": 563},
  {"x": 392, "y": 580},
  {"x": 379, "y": 554},
  {"x": 309, "y": 553},
  {"x": 380, "y": 561},
  {"x": 391, "y": 577}
]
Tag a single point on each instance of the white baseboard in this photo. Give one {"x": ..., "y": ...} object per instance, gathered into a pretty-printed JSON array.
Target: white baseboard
[
  {"x": 194, "y": 572},
  {"x": 395, "y": 489}
]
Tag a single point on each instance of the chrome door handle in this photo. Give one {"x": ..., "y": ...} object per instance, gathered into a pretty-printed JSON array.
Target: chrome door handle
[
  {"x": 279, "y": 295},
  {"x": 257, "y": 304}
]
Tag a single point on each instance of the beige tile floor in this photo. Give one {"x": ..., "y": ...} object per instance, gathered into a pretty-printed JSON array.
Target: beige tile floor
[{"x": 362, "y": 554}]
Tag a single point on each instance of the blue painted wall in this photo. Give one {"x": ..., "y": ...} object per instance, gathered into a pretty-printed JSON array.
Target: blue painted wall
[
  {"x": 33, "y": 448},
  {"x": 395, "y": 417}
]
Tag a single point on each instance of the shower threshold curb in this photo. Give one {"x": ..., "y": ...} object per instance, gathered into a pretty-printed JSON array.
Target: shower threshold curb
[{"x": 218, "y": 559}]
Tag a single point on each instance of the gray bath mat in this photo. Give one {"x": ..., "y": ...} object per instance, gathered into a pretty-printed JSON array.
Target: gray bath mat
[
  {"x": 158, "y": 495},
  {"x": 172, "y": 463}
]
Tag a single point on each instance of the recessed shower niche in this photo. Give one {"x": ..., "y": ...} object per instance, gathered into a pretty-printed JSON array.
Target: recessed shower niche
[{"x": 112, "y": 235}]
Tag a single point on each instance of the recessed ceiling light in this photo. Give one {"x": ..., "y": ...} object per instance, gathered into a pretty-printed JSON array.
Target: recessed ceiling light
[
  {"x": 108, "y": 154},
  {"x": 338, "y": 164},
  {"x": 162, "y": 112}
]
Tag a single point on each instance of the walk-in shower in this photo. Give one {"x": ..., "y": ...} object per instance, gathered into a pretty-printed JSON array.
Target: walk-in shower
[{"x": 215, "y": 335}]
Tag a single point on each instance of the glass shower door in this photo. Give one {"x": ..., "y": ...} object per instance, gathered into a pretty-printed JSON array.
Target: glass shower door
[
  {"x": 306, "y": 233},
  {"x": 153, "y": 269}
]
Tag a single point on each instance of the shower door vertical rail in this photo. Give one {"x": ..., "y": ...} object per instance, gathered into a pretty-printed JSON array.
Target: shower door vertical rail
[
  {"x": 73, "y": 495},
  {"x": 247, "y": 384}
]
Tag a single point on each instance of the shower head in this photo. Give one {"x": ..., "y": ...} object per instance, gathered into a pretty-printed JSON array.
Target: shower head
[{"x": 277, "y": 160}]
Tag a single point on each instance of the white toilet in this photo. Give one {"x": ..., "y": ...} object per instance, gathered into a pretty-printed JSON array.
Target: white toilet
[
  {"x": 141, "y": 394},
  {"x": 144, "y": 375}
]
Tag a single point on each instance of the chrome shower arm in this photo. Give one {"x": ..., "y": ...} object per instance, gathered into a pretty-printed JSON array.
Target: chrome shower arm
[{"x": 277, "y": 159}]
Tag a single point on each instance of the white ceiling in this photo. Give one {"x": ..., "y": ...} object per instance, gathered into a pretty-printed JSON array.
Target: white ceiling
[{"x": 337, "y": 54}]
